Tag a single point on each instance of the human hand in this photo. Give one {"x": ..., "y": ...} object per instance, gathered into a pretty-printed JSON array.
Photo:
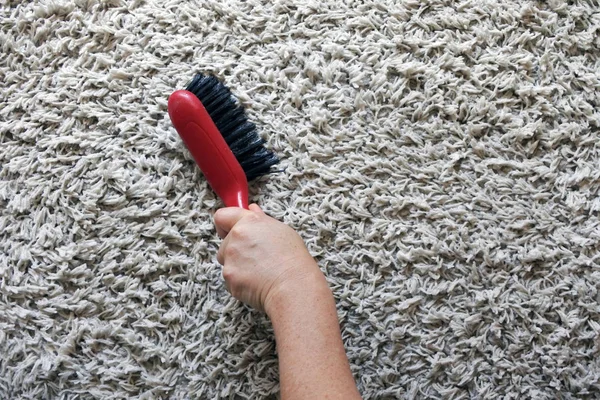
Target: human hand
[{"x": 262, "y": 258}]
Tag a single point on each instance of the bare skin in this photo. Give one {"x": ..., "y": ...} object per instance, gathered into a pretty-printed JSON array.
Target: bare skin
[{"x": 267, "y": 266}]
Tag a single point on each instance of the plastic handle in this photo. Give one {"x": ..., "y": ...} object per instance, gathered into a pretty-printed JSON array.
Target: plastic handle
[{"x": 208, "y": 147}]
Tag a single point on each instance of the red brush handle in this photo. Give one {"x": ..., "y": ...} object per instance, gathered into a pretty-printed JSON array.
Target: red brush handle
[{"x": 212, "y": 154}]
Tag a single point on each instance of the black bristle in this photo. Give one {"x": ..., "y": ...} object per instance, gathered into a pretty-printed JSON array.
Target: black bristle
[
  {"x": 230, "y": 119},
  {"x": 259, "y": 163},
  {"x": 246, "y": 145}
]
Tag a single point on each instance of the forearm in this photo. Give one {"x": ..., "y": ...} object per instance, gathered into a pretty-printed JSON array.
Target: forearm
[{"x": 312, "y": 359}]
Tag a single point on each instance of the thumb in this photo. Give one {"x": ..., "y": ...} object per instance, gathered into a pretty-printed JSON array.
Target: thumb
[{"x": 226, "y": 218}]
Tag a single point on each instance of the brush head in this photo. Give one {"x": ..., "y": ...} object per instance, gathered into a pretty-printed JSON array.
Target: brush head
[{"x": 231, "y": 121}]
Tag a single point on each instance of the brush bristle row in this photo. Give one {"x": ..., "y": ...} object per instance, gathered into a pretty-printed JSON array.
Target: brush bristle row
[{"x": 230, "y": 119}]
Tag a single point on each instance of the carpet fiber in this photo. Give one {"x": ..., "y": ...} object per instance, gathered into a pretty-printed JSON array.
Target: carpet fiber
[{"x": 442, "y": 163}]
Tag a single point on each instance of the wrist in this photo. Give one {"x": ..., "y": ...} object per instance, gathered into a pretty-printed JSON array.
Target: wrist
[{"x": 296, "y": 291}]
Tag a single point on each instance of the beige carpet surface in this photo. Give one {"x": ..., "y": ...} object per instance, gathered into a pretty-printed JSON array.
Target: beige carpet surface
[{"x": 442, "y": 162}]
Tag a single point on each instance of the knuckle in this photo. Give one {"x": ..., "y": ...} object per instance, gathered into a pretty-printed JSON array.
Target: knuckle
[
  {"x": 231, "y": 251},
  {"x": 228, "y": 274},
  {"x": 238, "y": 232}
]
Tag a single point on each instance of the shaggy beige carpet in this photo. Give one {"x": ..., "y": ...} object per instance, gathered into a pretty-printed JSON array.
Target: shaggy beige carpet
[{"x": 442, "y": 162}]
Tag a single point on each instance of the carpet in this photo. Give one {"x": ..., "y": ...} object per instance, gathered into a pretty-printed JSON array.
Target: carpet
[{"x": 441, "y": 161}]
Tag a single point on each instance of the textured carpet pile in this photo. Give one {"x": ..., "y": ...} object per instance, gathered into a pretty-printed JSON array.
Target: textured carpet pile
[{"x": 442, "y": 163}]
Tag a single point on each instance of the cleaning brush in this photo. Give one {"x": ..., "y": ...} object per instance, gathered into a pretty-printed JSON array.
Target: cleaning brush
[{"x": 224, "y": 144}]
